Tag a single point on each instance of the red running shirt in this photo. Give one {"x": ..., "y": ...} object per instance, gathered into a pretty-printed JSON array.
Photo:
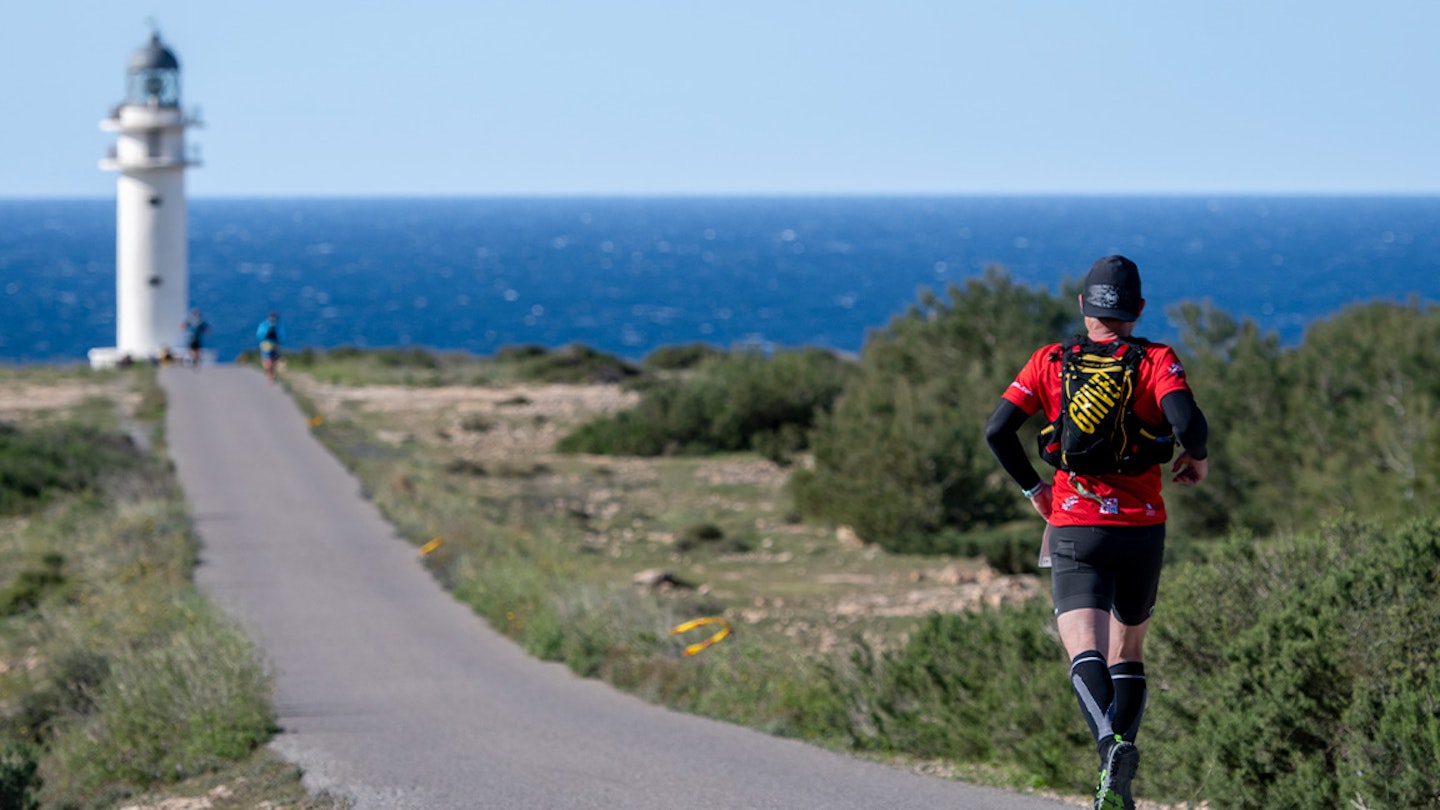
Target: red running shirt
[{"x": 1102, "y": 500}]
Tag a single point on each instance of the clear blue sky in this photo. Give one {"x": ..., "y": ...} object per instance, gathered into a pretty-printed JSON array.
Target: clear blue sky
[{"x": 558, "y": 97}]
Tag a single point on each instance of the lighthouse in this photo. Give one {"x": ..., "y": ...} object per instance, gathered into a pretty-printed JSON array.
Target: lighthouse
[{"x": 152, "y": 275}]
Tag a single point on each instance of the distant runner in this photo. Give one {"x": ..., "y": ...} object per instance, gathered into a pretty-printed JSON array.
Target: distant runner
[
  {"x": 271, "y": 335},
  {"x": 195, "y": 329},
  {"x": 1114, "y": 404}
]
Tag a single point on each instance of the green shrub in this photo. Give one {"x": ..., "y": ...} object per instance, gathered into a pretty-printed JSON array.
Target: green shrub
[
  {"x": 1012, "y": 548},
  {"x": 902, "y": 455},
  {"x": 782, "y": 444},
  {"x": 569, "y": 364},
  {"x": 1395, "y": 761},
  {"x": 19, "y": 780},
  {"x": 708, "y": 536},
  {"x": 676, "y": 358},
  {"x": 627, "y": 433},
  {"x": 742, "y": 401},
  {"x": 1364, "y": 402},
  {"x": 521, "y": 353},
  {"x": 32, "y": 584},
  {"x": 42, "y": 461},
  {"x": 67, "y": 690},
  {"x": 193, "y": 703},
  {"x": 1348, "y": 421},
  {"x": 465, "y": 466},
  {"x": 699, "y": 533},
  {"x": 1302, "y": 673},
  {"x": 986, "y": 687}
]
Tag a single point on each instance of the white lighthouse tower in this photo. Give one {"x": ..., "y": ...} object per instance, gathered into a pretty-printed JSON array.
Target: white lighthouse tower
[{"x": 152, "y": 271}]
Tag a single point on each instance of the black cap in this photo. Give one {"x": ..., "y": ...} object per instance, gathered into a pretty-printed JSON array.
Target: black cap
[{"x": 1112, "y": 289}]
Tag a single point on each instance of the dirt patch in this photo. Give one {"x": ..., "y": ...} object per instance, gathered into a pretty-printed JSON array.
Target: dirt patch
[
  {"x": 25, "y": 398},
  {"x": 509, "y": 422}
]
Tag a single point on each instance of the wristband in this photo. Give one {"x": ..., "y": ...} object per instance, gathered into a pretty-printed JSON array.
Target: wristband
[{"x": 1035, "y": 490}]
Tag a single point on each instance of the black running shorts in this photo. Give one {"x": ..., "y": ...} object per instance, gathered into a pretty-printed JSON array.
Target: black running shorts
[{"x": 1110, "y": 568}]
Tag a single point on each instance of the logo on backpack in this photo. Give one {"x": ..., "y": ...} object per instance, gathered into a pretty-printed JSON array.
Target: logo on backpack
[{"x": 1097, "y": 430}]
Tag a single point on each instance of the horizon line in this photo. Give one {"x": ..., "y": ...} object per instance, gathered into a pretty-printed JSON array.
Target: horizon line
[{"x": 756, "y": 195}]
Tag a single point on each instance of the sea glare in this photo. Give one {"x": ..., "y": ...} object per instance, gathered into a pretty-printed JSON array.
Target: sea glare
[{"x": 627, "y": 275}]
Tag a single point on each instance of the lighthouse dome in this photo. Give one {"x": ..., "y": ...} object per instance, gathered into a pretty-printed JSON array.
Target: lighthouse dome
[{"x": 153, "y": 56}]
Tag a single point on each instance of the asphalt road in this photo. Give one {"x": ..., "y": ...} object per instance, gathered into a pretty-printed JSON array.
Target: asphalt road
[{"x": 394, "y": 694}]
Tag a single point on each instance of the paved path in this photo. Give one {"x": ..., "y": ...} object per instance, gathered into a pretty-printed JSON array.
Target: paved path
[{"x": 392, "y": 693}]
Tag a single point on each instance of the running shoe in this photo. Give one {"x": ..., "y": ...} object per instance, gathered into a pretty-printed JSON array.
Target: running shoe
[{"x": 1120, "y": 763}]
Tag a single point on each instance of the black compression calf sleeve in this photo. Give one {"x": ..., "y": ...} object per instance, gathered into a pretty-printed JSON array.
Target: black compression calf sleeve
[
  {"x": 1128, "y": 679},
  {"x": 1091, "y": 681}
]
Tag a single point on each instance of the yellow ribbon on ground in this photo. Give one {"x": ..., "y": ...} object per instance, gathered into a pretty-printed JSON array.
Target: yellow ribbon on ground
[
  {"x": 430, "y": 547},
  {"x": 701, "y": 622}
]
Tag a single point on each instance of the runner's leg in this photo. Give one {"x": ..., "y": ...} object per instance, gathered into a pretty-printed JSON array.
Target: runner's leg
[{"x": 1128, "y": 680}]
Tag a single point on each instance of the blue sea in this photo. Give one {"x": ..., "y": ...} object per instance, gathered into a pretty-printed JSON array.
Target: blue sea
[{"x": 627, "y": 275}]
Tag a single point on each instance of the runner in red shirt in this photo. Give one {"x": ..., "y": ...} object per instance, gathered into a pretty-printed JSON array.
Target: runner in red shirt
[{"x": 1107, "y": 530}]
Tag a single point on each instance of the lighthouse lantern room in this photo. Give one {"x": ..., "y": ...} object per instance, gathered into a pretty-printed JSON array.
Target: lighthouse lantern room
[{"x": 151, "y": 256}]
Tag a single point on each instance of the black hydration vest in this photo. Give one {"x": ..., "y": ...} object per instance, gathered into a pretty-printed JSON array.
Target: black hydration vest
[{"x": 1097, "y": 431}]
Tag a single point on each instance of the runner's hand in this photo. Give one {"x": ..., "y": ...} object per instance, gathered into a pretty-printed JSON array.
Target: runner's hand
[
  {"x": 1190, "y": 470},
  {"x": 1043, "y": 502}
]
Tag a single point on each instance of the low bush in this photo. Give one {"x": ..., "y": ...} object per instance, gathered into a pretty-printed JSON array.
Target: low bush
[
  {"x": 570, "y": 364},
  {"x": 32, "y": 584},
  {"x": 677, "y": 358},
  {"x": 709, "y": 537},
  {"x": 38, "y": 462},
  {"x": 521, "y": 353},
  {"x": 1011, "y": 548},
  {"x": 742, "y": 401},
  {"x": 195, "y": 702},
  {"x": 19, "y": 761},
  {"x": 627, "y": 433},
  {"x": 985, "y": 687},
  {"x": 1302, "y": 672}
]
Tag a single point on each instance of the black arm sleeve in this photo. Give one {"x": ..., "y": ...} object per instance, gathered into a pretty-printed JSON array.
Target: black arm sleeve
[
  {"x": 1189, "y": 423},
  {"x": 1002, "y": 433}
]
